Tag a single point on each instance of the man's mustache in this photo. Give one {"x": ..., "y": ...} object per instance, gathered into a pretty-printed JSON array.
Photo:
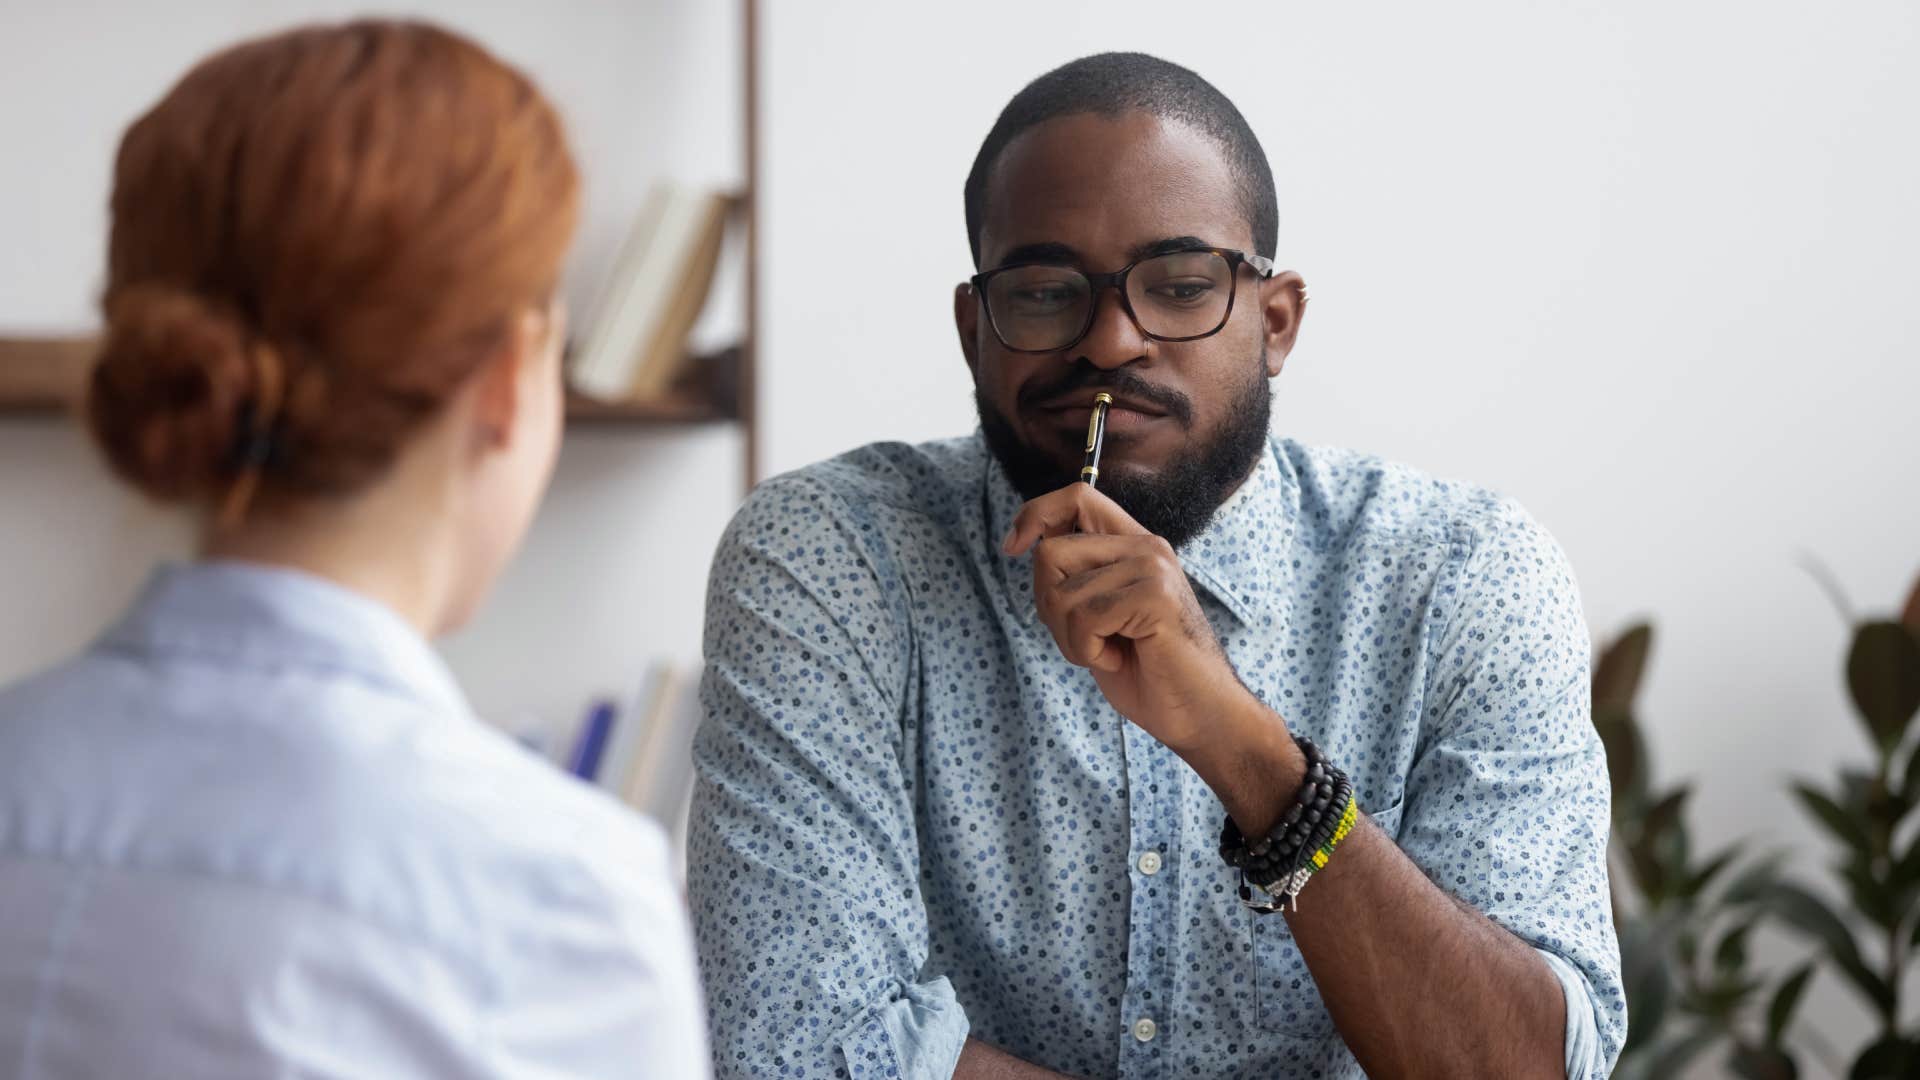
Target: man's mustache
[{"x": 1119, "y": 382}]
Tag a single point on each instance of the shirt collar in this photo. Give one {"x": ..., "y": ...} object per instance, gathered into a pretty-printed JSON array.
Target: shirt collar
[
  {"x": 256, "y": 615},
  {"x": 1243, "y": 558}
]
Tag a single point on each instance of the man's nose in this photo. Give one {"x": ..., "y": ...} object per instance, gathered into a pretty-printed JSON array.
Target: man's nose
[{"x": 1114, "y": 339}]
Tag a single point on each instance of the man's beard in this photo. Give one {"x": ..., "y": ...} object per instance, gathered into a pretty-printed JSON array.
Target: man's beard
[{"x": 1176, "y": 501}]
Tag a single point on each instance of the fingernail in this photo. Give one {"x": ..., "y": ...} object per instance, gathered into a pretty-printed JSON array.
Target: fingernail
[{"x": 1006, "y": 543}]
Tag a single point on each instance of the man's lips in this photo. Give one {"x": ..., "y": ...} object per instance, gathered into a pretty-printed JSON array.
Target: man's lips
[
  {"x": 1081, "y": 401},
  {"x": 1120, "y": 422},
  {"x": 1124, "y": 416}
]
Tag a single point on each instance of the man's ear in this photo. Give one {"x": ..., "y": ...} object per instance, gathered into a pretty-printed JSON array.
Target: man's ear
[
  {"x": 1283, "y": 303},
  {"x": 966, "y": 319},
  {"x": 500, "y": 383}
]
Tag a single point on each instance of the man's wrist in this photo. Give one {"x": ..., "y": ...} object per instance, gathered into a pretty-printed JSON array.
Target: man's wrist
[{"x": 1250, "y": 761}]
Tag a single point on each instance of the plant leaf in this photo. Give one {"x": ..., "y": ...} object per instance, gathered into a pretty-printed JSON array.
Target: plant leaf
[
  {"x": 1810, "y": 915},
  {"x": 1762, "y": 1063},
  {"x": 1824, "y": 578},
  {"x": 1892, "y": 1058},
  {"x": 1722, "y": 999},
  {"x": 1644, "y": 972},
  {"x": 1883, "y": 672},
  {"x": 1658, "y": 854},
  {"x": 1786, "y": 998},
  {"x": 1731, "y": 953},
  {"x": 1616, "y": 675},
  {"x": 1869, "y": 983},
  {"x": 1704, "y": 876},
  {"x": 1856, "y": 790},
  {"x": 1686, "y": 942},
  {"x": 1672, "y": 1058},
  {"x": 1620, "y": 738},
  {"x": 1756, "y": 882},
  {"x": 1838, "y": 822},
  {"x": 1910, "y": 782},
  {"x": 1871, "y": 897}
]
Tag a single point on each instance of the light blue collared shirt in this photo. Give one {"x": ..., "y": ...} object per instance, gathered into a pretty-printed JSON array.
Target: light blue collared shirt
[
  {"x": 915, "y": 821},
  {"x": 257, "y": 831}
]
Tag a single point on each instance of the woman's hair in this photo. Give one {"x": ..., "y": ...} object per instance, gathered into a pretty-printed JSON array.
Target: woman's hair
[{"x": 317, "y": 238}]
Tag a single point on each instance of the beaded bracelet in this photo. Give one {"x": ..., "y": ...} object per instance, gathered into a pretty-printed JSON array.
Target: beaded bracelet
[
  {"x": 1297, "y": 880},
  {"x": 1323, "y": 813}
]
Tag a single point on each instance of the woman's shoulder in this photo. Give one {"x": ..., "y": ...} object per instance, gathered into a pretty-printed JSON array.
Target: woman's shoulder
[{"x": 397, "y": 812}]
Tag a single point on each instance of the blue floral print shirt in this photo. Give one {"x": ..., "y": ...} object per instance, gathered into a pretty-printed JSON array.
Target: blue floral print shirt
[{"x": 915, "y": 821}]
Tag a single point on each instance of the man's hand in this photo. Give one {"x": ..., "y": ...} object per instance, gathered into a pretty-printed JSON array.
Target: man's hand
[{"x": 1118, "y": 603}]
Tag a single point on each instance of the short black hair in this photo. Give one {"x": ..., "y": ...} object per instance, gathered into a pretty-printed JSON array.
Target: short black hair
[{"x": 1109, "y": 84}]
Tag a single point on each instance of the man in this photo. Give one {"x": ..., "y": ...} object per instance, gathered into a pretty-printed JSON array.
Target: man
[{"x": 973, "y": 730}]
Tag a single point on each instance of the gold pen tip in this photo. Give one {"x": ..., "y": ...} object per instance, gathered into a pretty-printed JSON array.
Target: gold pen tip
[{"x": 1103, "y": 398}]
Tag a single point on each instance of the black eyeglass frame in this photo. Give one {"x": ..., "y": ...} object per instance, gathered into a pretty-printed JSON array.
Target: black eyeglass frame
[{"x": 1117, "y": 279}]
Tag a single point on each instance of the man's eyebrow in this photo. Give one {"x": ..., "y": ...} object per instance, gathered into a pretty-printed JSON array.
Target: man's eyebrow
[
  {"x": 1166, "y": 246},
  {"x": 1051, "y": 251}
]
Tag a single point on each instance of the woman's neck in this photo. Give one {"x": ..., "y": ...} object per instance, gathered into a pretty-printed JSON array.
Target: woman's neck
[{"x": 373, "y": 544}]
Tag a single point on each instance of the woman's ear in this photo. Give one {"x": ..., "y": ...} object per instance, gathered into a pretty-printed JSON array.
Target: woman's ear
[
  {"x": 528, "y": 351},
  {"x": 1283, "y": 303}
]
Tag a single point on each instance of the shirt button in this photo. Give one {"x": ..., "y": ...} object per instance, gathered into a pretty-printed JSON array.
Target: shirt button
[
  {"x": 1150, "y": 863},
  {"x": 1145, "y": 1029}
]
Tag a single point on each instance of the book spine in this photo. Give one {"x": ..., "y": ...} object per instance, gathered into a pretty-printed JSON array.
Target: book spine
[{"x": 592, "y": 743}]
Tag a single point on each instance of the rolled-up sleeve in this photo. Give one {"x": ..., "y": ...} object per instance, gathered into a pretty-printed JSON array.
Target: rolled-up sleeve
[
  {"x": 803, "y": 856},
  {"x": 1507, "y": 802}
]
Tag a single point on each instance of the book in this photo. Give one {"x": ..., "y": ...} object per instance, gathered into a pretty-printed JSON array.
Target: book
[
  {"x": 591, "y": 743},
  {"x": 667, "y": 355},
  {"x": 632, "y": 728},
  {"x": 635, "y": 344},
  {"x": 662, "y": 780},
  {"x": 641, "y": 772}
]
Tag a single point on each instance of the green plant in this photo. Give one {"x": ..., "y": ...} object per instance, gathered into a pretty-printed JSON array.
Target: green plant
[
  {"x": 1683, "y": 942},
  {"x": 1869, "y": 814}
]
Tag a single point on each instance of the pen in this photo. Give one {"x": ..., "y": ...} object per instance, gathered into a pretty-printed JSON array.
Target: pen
[{"x": 1096, "y": 438}]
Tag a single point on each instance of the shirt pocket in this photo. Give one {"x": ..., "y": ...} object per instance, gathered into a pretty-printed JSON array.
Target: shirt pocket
[{"x": 1285, "y": 999}]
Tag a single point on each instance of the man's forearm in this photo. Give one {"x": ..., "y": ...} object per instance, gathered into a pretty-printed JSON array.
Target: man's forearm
[
  {"x": 978, "y": 1061},
  {"x": 1418, "y": 983}
]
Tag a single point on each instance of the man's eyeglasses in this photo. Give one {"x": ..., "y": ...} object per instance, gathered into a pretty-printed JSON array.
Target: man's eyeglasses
[{"x": 1176, "y": 296}]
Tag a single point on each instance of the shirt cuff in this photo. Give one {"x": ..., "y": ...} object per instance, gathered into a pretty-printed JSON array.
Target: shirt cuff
[
  {"x": 1585, "y": 1060},
  {"x": 916, "y": 1036}
]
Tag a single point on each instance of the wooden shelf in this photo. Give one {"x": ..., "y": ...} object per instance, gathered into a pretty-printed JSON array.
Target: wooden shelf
[
  {"x": 43, "y": 376},
  {"x": 584, "y": 410},
  {"x": 46, "y": 377}
]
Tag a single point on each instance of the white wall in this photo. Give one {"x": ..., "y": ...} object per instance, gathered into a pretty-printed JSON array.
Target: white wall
[
  {"x": 615, "y": 568},
  {"x": 1650, "y": 267}
]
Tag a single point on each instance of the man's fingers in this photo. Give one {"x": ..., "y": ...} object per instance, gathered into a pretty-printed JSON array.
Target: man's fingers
[
  {"x": 1057, "y": 559},
  {"x": 1074, "y": 508},
  {"x": 1093, "y": 612},
  {"x": 1093, "y": 627}
]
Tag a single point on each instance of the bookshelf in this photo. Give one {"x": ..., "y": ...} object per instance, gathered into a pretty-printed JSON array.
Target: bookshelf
[
  {"x": 43, "y": 377},
  {"x": 46, "y": 377}
]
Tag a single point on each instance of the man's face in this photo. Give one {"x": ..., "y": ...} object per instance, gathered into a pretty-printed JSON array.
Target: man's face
[{"x": 1189, "y": 418}]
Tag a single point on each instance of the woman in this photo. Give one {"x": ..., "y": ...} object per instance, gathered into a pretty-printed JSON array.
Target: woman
[{"x": 256, "y": 830}]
